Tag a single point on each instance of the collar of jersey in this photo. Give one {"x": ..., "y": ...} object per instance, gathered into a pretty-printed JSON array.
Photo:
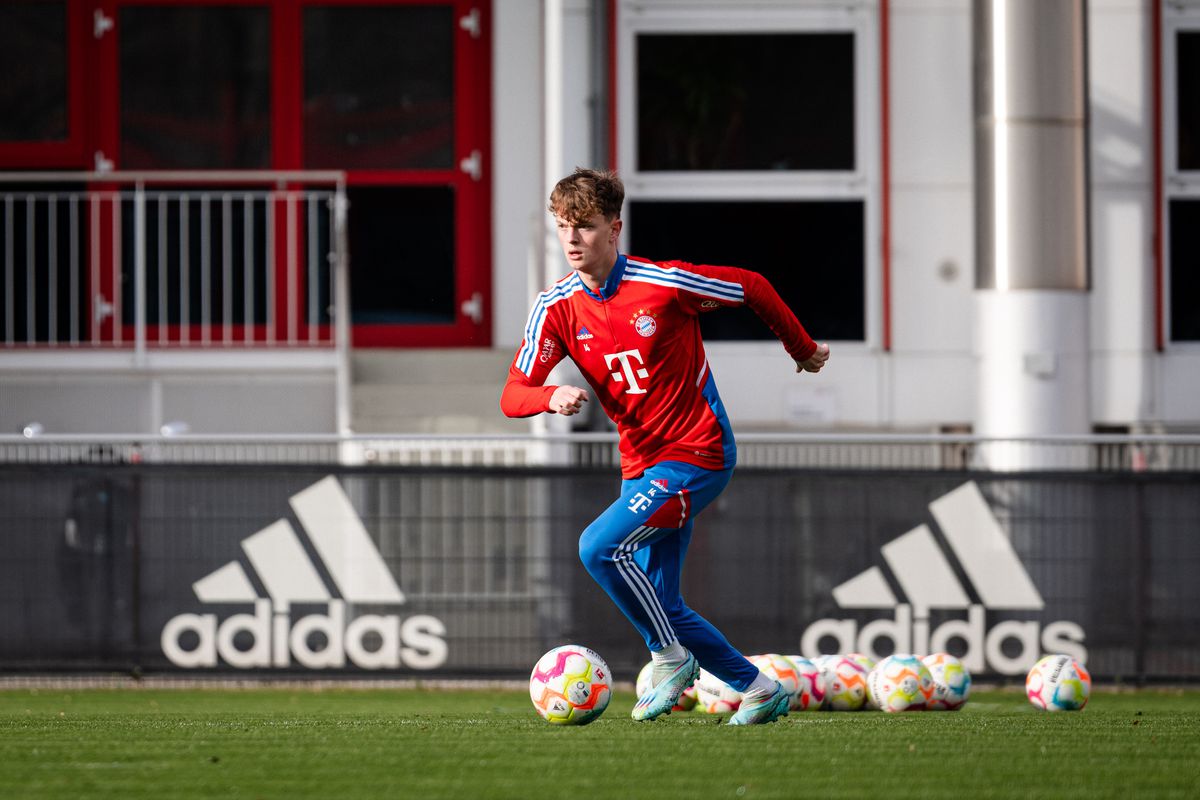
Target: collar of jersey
[{"x": 610, "y": 285}]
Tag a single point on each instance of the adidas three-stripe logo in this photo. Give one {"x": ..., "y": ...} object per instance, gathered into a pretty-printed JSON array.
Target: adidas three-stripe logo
[
  {"x": 928, "y": 581},
  {"x": 288, "y": 575},
  {"x": 926, "y": 576},
  {"x": 269, "y": 637}
]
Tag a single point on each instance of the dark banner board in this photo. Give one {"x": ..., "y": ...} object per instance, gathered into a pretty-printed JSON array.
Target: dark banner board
[{"x": 474, "y": 573}]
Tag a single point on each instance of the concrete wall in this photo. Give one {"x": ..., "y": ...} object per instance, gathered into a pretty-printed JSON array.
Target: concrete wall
[{"x": 211, "y": 401}]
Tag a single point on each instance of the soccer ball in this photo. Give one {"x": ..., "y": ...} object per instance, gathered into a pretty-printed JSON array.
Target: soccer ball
[
  {"x": 1058, "y": 683},
  {"x": 900, "y": 683},
  {"x": 845, "y": 684},
  {"x": 686, "y": 701},
  {"x": 863, "y": 660},
  {"x": 781, "y": 669},
  {"x": 822, "y": 661},
  {"x": 570, "y": 685},
  {"x": 811, "y": 693},
  {"x": 715, "y": 696},
  {"x": 951, "y": 682}
]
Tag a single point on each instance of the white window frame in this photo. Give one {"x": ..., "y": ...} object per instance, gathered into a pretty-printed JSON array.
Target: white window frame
[
  {"x": 722, "y": 16},
  {"x": 1181, "y": 16}
]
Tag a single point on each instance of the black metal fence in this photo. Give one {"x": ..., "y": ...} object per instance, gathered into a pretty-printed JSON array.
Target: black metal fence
[{"x": 466, "y": 572}]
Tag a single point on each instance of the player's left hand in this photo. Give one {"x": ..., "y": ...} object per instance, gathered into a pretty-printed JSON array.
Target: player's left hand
[{"x": 814, "y": 362}]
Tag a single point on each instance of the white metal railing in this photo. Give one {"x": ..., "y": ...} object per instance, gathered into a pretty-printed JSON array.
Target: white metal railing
[
  {"x": 148, "y": 271},
  {"x": 1096, "y": 453},
  {"x": 172, "y": 260}
]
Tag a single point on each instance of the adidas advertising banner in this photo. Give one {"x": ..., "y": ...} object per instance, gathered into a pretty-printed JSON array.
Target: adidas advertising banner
[{"x": 461, "y": 573}]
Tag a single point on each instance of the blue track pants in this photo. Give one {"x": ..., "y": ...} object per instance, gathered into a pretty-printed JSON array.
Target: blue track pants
[{"x": 635, "y": 551}]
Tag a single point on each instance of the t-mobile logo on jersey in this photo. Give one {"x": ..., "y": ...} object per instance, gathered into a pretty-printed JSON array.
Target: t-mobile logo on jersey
[{"x": 628, "y": 373}]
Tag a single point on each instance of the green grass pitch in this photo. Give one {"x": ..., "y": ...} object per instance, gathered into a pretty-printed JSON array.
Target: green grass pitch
[{"x": 415, "y": 743}]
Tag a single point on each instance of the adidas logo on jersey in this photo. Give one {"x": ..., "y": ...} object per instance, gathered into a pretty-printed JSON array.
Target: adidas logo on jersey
[
  {"x": 584, "y": 333},
  {"x": 926, "y": 577},
  {"x": 278, "y": 557}
]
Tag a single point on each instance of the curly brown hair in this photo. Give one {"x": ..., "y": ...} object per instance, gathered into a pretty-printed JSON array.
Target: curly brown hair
[{"x": 586, "y": 192}]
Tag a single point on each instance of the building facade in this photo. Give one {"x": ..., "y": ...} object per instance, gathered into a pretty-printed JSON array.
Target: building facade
[{"x": 832, "y": 146}]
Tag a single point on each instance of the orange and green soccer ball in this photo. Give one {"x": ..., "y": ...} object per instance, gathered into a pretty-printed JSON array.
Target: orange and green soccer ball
[
  {"x": 570, "y": 685},
  {"x": 686, "y": 701},
  {"x": 900, "y": 682},
  {"x": 951, "y": 682},
  {"x": 845, "y": 683},
  {"x": 1058, "y": 683}
]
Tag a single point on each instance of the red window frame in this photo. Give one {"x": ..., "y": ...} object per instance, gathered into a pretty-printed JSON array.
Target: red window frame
[
  {"x": 71, "y": 152},
  {"x": 472, "y": 217},
  {"x": 107, "y": 137},
  {"x": 472, "y": 133}
]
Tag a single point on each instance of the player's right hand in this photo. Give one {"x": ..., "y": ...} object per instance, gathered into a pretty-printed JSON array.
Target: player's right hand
[{"x": 567, "y": 400}]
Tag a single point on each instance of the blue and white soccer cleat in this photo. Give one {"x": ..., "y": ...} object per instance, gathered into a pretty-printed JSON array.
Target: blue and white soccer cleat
[
  {"x": 763, "y": 711},
  {"x": 660, "y": 698}
]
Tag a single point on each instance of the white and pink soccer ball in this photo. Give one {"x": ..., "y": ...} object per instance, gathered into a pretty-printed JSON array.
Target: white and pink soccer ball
[
  {"x": 811, "y": 692},
  {"x": 570, "y": 685},
  {"x": 1058, "y": 683},
  {"x": 951, "y": 682}
]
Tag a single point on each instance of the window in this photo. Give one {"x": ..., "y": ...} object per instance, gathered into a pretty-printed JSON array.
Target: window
[
  {"x": 41, "y": 97},
  {"x": 379, "y": 87},
  {"x": 408, "y": 234},
  {"x": 195, "y": 87},
  {"x": 745, "y": 101},
  {"x": 395, "y": 93},
  {"x": 43, "y": 264},
  {"x": 1182, "y": 167},
  {"x": 33, "y": 39},
  {"x": 743, "y": 142},
  {"x": 1187, "y": 128},
  {"x": 696, "y": 232},
  {"x": 1184, "y": 246},
  {"x": 211, "y": 244}
]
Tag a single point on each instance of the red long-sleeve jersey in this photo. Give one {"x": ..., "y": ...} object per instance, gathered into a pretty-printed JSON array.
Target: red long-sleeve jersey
[{"x": 637, "y": 342}]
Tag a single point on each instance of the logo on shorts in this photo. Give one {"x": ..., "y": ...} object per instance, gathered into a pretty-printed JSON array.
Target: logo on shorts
[
  {"x": 659, "y": 483},
  {"x": 710, "y": 304},
  {"x": 643, "y": 322}
]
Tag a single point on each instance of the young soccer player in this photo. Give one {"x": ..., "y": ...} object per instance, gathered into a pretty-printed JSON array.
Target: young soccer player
[{"x": 632, "y": 327}]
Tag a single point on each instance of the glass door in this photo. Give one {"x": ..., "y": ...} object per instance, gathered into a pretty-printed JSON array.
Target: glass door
[
  {"x": 43, "y": 127},
  {"x": 393, "y": 92},
  {"x": 188, "y": 86},
  {"x": 45, "y": 46},
  {"x": 397, "y": 94}
]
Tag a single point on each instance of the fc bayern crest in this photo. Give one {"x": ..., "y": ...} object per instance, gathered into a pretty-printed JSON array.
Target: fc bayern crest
[{"x": 643, "y": 321}]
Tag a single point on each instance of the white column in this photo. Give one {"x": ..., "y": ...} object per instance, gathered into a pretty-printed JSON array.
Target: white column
[{"x": 1031, "y": 189}]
